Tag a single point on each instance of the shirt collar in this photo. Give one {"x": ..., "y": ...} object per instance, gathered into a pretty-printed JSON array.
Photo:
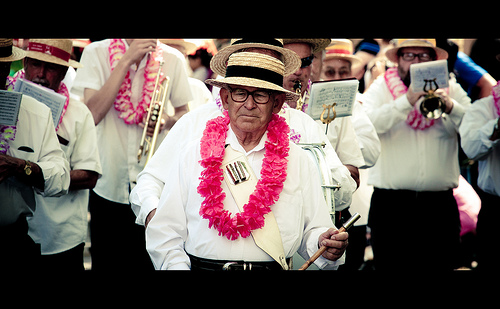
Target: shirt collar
[{"x": 233, "y": 141}]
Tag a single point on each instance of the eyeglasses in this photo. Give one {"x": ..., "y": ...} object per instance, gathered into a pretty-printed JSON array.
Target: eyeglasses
[
  {"x": 307, "y": 61},
  {"x": 421, "y": 56},
  {"x": 241, "y": 95}
]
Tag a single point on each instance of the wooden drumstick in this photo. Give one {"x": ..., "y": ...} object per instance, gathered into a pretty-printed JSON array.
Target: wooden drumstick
[{"x": 321, "y": 250}]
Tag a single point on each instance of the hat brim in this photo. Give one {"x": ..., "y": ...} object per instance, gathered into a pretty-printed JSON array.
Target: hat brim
[
  {"x": 317, "y": 44},
  {"x": 17, "y": 54},
  {"x": 355, "y": 61},
  {"x": 218, "y": 63},
  {"x": 392, "y": 54},
  {"x": 53, "y": 59},
  {"x": 252, "y": 82}
]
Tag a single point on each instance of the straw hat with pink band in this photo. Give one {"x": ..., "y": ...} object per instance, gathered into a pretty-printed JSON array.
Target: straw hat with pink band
[
  {"x": 342, "y": 49},
  {"x": 56, "y": 51}
]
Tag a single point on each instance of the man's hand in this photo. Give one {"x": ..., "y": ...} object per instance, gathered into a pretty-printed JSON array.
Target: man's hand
[
  {"x": 335, "y": 242},
  {"x": 9, "y": 166},
  {"x": 138, "y": 49},
  {"x": 414, "y": 96},
  {"x": 446, "y": 98}
]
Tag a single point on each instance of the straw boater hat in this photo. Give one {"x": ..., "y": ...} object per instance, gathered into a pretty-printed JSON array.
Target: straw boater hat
[
  {"x": 392, "y": 54},
  {"x": 317, "y": 44},
  {"x": 255, "y": 70},
  {"x": 342, "y": 49},
  {"x": 52, "y": 50},
  {"x": 290, "y": 58},
  {"x": 10, "y": 53}
]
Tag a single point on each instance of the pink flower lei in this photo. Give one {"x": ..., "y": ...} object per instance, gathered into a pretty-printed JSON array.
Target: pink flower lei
[
  {"x": 495, "y": 92},
  {"x": 123, "y": 104},
  {"x": 397, "y": 88},
  {"x": 267, "y": 191}
]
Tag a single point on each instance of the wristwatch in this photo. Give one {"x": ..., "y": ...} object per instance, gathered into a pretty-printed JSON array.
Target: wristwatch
[{"x": 27, "y": 168}]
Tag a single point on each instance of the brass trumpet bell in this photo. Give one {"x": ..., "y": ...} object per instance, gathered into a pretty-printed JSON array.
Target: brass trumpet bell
[{"x": 432, "y": 106}]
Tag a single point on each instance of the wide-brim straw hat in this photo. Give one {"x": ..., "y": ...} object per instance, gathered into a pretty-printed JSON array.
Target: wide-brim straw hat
[
  {"x": 254, "y": 70},
  {"x": 56, "y": 51},
  {"x": 392, "y": 54},
  {"x": 290, "y": 58},
  {"x": 317, "y": 44},
  {"x": 9, "y": 52},
  {"x": 342, "y": 49}
]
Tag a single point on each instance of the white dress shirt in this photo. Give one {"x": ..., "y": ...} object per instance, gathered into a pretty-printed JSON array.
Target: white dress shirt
[
  {"x": 118, "y": 142},
  {"x": 35, "y": 141},
  {"x": 144, "y": 197},
  {"x": 60, "y": 223},
  {"x": 418, "y": 160},
  {"x": 177, "y": 227},
  {"x": 476, "y": 128}
]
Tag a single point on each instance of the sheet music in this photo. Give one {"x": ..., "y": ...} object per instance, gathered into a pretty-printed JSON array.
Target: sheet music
[
  {"x": 10, "y": 102},
  {"x": 49, "y": 97},
  {"x": 429, "y": 70},
  {"x": 342, "y": 92}
]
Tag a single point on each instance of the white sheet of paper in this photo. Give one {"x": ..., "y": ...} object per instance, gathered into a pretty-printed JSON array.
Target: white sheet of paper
[
  {"x": 10, "y": 101},
  {"x": 420, "y": 72},
  {"x": 342, "y": 92},
  {"x": 49, "y": 97}
]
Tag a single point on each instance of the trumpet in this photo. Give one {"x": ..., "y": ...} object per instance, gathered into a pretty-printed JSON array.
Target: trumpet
[
  {"x": 155, "y": 111},
  {"x": 432, "y": 106},
  {"x": 298, "y": 90}
]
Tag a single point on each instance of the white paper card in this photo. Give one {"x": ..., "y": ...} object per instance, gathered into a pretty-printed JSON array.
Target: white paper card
[
  {"x": 10, "y": 102},
  {"x": 342, "y": 92},
  {"x": 419, "y": 72},
  {"x": 49, "y": 97}
]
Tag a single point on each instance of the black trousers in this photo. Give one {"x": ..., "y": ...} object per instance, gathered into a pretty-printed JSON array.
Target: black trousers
[
  {"x": 414, "y": 230},
  {"x": 18, "y": 252},
  {"x": 487, "y": 232},
  {"x": 70, "y": 260},
  {"x": 117, "y": 243}
]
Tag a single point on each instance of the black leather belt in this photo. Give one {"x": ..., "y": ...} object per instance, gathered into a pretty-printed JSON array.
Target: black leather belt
[{"x": 198, "y": 263}]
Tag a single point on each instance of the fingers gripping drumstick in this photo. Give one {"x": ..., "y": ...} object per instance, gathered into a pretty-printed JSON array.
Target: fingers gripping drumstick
[{"x": 318, "y": 253}]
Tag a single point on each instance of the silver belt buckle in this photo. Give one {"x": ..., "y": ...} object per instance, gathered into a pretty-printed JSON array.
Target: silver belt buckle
[{"x": 228, "y": 265}]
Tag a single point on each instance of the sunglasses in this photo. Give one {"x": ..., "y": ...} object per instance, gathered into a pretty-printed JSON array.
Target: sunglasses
[{"x": 307, "y": 61}]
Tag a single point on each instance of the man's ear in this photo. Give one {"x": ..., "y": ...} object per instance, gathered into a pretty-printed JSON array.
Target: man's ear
[
  {"x": 224, "y": 94},
  {"x": 279, "y": 100}
]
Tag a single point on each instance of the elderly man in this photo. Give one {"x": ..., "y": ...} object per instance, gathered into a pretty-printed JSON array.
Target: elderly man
[
  {"x": 30, "y": 161},
  {"x": 117, "y": 82},
  {"x": 214, "y": 212},
  {"x": 60, "y": 224},
  {"x": 150, "y": 182},
  {"x": 418, "y": 167}
]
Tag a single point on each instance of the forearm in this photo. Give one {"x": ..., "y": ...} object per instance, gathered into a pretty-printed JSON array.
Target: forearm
[
  {"x": 100, "y": 101},
  {"x": 32, "y": 176},
  {"x": 83, "y": 179}
]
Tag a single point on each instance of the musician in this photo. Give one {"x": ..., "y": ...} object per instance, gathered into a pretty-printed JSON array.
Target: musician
[
  {"x": 150, "y": 182},
  {"x": 116, "y": 82},
  {"x": 343, "y": 138},
  {"x": 416, "y": 172},
  {"x": 480, "y": 133},
  {"x": 31, "y": 163},
  {"x": 59, "y": 224},
  {"x": 205, "y": 222},
  {"x": 338, "y": 64}
]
